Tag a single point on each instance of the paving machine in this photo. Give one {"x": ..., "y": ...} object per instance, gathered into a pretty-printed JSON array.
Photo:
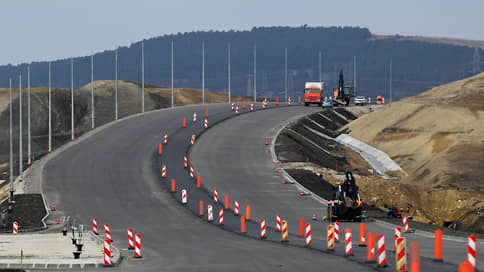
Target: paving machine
[
  {"x": 344, "y": 93},
  {"x": 345, "y": 203}
]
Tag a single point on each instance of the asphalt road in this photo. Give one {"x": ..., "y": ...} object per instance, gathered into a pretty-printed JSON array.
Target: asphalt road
[
  {"x": 114, "y": 175},
  {"x": 232, "y": 158}
]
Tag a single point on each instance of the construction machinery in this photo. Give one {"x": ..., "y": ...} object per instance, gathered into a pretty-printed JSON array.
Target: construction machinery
[
  {"x": 343, "y": 94},
  {"x": 345, "y": 203}
]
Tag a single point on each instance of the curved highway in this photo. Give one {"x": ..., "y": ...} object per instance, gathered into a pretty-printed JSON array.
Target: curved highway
[{"x": 114, "y": 175}]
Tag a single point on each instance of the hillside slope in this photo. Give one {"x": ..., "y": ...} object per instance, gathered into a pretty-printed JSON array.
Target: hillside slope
[{"x": 437, "y": 137}]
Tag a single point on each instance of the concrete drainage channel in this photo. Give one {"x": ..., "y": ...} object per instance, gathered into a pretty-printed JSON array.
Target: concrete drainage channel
[{"x": 198, "y": 199}]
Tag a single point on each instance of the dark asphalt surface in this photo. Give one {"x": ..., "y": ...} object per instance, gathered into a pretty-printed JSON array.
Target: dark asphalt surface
[{"x": 114, "y": 175}]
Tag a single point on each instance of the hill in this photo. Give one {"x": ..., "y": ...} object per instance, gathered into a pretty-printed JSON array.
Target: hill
[
  {"x": 437, "y": 137},
  {"x": 419, "y": 63}
]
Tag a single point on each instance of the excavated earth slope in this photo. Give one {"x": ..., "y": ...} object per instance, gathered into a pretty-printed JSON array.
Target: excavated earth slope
[{"x": 437, "y": 137}]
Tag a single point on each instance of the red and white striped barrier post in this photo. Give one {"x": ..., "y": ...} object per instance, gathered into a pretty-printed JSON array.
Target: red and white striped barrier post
[
  {"x": 330, "y": 237},
  {"x": 184, "y": 196},
  {"x": 336, "y": 231},
  {"x": 205, "y": 123},
  {"x": 278, "y": 222},
  {"x": 209, "y": 213},
  {"x": 314, "y": 216},
  {"x": 215, "y": 195},
  {"x": 284, "y": 231},
  {"x": 185, "y": 161},
  {"x": 236, "y": 110},
  {"x": 263, "y": 233},
  {"x": 398, "y": 234},
  {"x": 251, "y": 106},
  {"x": 192, "y": 140},
  {"x": 236, "y": 207},
  {"x": 369, "y": 99},
  {"x": 471, "y": 249},
  {"x": 289, "y": 101},
  {"x": 192, "y": 170},
  {"x": 130, "y": 239},
  {"x": 107, "y": 232},
  {"x": 163, "y": 171},
  {"x": 382, "y": 258},
  {"x": 165, "y": 139},
  {"x": 107, "y": 253},
  {"x": 309, "y": 239},
  {"x": 221, "y": 216},
  {"x": 405, "y": 224},
  {"x": 137, "y": 246},
  {"x": 194, "y": 118},
  {"x": 348, "y": 243},
  {"x": 15, "y": 227},
  {"x": 401, "y": 254},
  {"x": 233, "y": 105},
  {"x": 362, "y": 235},
  {"x": 94, "y": 226}
]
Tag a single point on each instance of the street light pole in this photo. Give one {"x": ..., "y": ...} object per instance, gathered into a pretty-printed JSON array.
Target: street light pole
[
  {"x": 172, "y": 79},
  {"x": 50, "y": 108},
  {"x": 228, "y": 49},
  {"x": 20, "y": 129},
  {"x": 203, "y": 72},
  {"x": 285, "y": 73},
  {"x": 72, "y": 99},
  {"x": 255, "y": 72},
  {"x": 142, "y": 76},
  {"x": 92, "y": 91},
  {"x": 29, "y": 155},
  {"x": 116, "y": 86},
  {"x": 11, "y": 144}
]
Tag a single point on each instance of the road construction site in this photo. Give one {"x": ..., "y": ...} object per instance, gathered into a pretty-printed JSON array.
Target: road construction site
[{"x": 114, "y": 174}]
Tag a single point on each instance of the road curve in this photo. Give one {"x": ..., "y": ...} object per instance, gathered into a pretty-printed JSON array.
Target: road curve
[
  {"x": 232, "y": 158},
  {"x": 114, "y": 175}
]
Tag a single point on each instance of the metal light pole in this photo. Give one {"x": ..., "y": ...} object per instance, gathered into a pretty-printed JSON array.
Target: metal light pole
[
  {"x": 203, "y": 72},
  {"x": 92, "y": 91},
  {"x": 11, "y": 143},
  {"x": 116, "y": 85},
  {"x": 255, "y": 71},
  {"x": 142, "y": 76},
  {"x": 20, "y": 128},
  {"x": 50, "y": 108},
  {"x": 391, "y": 67},
  {"x": 29, "y": 155},
  {"x": 228, "y": 49},
  {"x": 285, "y": 73},
  {"x": 319, "y": 73},
  {"x": 72, "y": 99},
  {"x": 172, "y": 79},
  {"x": 354, "y": 73}
]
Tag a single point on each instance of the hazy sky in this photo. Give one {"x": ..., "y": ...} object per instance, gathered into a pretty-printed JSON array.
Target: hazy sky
[{"x": 46, "y": 29}]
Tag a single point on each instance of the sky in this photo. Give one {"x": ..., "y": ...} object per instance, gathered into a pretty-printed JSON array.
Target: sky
[{"x": 34, "y": 30}]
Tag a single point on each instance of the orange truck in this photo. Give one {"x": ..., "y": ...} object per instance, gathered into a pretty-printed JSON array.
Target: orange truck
[{"x": 313, "y": 93}]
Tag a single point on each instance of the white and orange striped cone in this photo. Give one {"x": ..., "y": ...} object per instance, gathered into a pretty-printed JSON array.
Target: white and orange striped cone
[
  {"x": 215, "y": 195},
  {"x": 336, "y": 231},
  {"x": 192, "y": 172},
  {"x": 236, "y": 110},
  {"x": 165, "y": 139},
  {"x": 209, "y": 213},
  {"x": 107, "y": 253},
  {"x": 308, "y": 234},
  {"x": 221, "y": 216},
  {"x": 205, "y": 123},
  {"x": 236, "y": 207},
  {"x": 251, "y": 106},
  {"x": 382, "y": 258},
  {"x": 94, "y": 226},
  {"x": 278, "y": 222},
  {"x": 107, "y": 231},
  {"x": 314, "y": 216},
  {"x": 130, "y": 239},
  {"x": 405, "y": 224},
  {"x": 398, "y": 234},
  {"x": 185, "y": 161},
  {"x": 233, "y": 105},
  {"x": 163, "y": 171},
  {"x": 15, "y": 227},
  {"x": 137, "y": 246},
  {"x": 369, "y": 100},
  {"x": 348, "y": 243},
  {"x": 289, "y": 101},
  {"x": 194, "y": 118},
  {"x": 401, "y": 255},
  {"x": 263, "y": 233},
  {"x": 471, "y": 249},
  {"x": 184, "y": 196}
]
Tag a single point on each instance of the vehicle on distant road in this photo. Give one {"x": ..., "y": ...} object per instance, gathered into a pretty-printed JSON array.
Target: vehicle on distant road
[
  {"x": 313, "y": 93},
  {"x": 360, "y": 101},
  {"x": 327, "y": 103}
]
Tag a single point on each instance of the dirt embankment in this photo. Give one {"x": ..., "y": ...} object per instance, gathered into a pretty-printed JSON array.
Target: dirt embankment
[
  {"x": 129, "y": 102},
  {"x": 437, "y": 137}
]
